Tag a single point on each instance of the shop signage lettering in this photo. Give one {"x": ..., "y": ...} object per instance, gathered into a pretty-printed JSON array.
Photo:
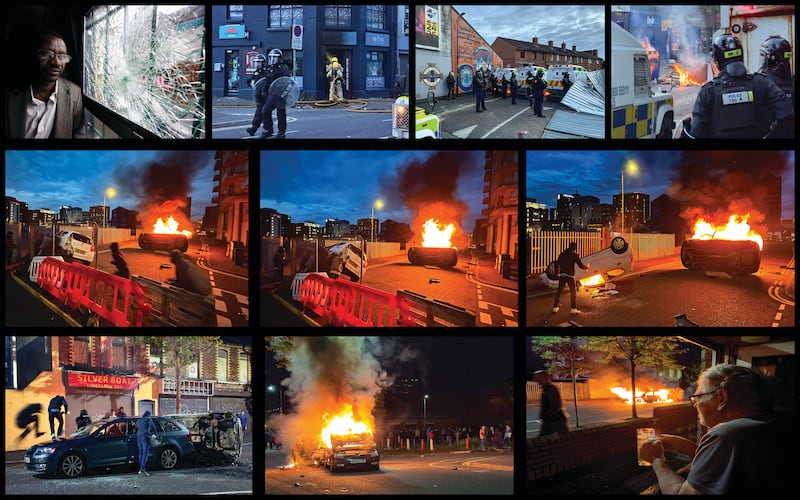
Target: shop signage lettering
[{"x": 101, "y": 381}]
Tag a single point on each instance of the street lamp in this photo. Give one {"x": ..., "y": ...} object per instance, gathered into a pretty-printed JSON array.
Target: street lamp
[
  {"x": 425, "y": 417},
  {"x": 272, "y": 388},
  {"x": 630, "y": 167},
  {"x": 110, "y": 192},
  {"x": 379, "y": 205}
]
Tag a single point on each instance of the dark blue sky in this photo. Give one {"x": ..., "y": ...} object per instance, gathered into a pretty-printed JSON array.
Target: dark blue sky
[
  {"x": 315, "y": 185},
  {"x": 50, "y": 179},
  {"x": 703, "y": 174}
]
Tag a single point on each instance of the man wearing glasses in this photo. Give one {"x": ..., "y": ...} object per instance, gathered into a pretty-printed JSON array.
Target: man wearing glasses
[
  {"x": 49, "y": 107},
  {"x": 740, "y": 453}
]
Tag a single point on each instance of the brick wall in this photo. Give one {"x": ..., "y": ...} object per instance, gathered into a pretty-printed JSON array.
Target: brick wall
[{"x": 552, "y": 455}]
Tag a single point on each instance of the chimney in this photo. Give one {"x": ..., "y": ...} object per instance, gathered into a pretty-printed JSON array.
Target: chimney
[
  {"x": 563, "y": 45},
  {"x": 574, "y": 49},
  {"x": 594, "y": 52},
  {"x": 550, "y": 43},
  {"x": 536, "y": 40}
]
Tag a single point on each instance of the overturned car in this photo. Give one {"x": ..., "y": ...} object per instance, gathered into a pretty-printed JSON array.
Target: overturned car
[
  {"x": 609, "y": 263},
  {"x": 730, "y": 256},
  {"x": 433, "y": 256},
  {"x": 217, "y": 436},
  {"x": 164, "y": 241}
]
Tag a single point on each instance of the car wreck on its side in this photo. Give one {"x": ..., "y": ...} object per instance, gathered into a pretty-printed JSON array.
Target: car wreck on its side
[{"x": 217, "y": 436}]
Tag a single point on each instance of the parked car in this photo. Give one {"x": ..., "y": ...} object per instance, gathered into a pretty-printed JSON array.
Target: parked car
[
  {"x": 347, "y": 259},
  {"x": 110, "y": 443},
  {"x": 75, "y": 245},
  {"x": 349, "y": 452}
]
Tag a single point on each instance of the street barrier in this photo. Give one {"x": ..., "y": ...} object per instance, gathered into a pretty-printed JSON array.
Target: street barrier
[
  {"x": 345, "y": 303},
  {"x": 297, "y": 283},
  {"x": 114, "y": 299},
  {"x": 33, "y": 267}
]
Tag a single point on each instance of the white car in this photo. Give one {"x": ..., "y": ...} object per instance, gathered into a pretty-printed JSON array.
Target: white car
[
  {"x": 346, "y": 258},
  {"x": 75, "y": 245},
  {"x": 609, "y": 262}
]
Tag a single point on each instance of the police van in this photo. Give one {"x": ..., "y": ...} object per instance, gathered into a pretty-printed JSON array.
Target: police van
[
  {"x": 555, "y": 79},
  {"x": 638, "y": 111}
]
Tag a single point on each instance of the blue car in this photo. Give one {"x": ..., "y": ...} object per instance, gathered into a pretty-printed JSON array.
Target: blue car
[{"x": 109, "y": 443}]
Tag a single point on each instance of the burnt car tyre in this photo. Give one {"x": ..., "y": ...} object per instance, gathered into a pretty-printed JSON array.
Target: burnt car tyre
[
  {"x": 167, "y": 458},
  {"x": 72, "y": 465},
  {"x": 619, "y": 245}
]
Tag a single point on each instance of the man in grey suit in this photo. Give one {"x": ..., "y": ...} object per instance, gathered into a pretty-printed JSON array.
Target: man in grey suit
[{"x": 49, "y": 106}]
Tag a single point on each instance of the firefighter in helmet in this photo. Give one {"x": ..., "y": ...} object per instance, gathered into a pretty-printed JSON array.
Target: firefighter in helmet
[
  {"x": 258, "y": 82},
  {"x": 276, "y": 68},
  {"x": 738, "y": 104},
  {"x": 335, "y": 75},
  {"x": 776, "y": 62}
]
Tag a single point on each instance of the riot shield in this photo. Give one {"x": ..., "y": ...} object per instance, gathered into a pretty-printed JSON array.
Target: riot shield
[{"x": 285, "y": 91}]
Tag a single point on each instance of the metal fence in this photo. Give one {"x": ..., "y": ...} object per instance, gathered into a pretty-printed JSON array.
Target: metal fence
[{"x": 545, "y": 246}]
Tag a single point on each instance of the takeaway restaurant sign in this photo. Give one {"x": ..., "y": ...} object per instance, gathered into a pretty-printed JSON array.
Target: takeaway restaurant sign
[{"x": 100, "y": 381}]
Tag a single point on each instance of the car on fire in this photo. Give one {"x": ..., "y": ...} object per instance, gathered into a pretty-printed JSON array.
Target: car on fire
[
  {"x": 433, "y": 256},
  {"x": 75, "y": 245},
  {"x": 609, "y": 262},
  {"x": 164, "y": 241},
  {"x": 731, "y": 256},
  {"x": 109, "y": 443},
  {"x": 348, "y": 452}
]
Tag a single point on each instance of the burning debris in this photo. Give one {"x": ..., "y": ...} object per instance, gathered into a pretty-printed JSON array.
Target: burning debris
[{"x": 649, "y": 396}]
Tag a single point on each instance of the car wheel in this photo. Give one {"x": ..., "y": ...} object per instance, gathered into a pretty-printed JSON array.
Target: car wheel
[
  {"x": 72, "y": 465},
  {"x": 167, "y": 458},
  {"x": 619, "y": 245}
]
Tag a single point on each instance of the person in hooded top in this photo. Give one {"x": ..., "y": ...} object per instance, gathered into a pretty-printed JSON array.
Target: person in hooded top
[{"x": 146, "y": 428}]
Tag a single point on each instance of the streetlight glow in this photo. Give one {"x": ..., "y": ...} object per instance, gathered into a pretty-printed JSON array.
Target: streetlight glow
[
  {"x": 110, "y": 193},
  {"x": 425, "y": 417},
  {"x": 377, "y": 204},
  {"x": 272, "y": 388}
]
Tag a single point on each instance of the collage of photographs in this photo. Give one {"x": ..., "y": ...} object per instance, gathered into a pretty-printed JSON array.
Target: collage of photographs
[{"x": 656, "y": 154}]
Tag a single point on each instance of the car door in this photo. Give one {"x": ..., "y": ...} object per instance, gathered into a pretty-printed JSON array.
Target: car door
[{"x": 109, "y": 445}]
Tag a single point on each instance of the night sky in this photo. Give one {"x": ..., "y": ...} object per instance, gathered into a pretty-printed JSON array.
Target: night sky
[
  {"x": 580, "y": 25},
  {"x": 709, "y": 178},
  {"x": 318, "y": 185},
  {"x": 51, "y": 179}
]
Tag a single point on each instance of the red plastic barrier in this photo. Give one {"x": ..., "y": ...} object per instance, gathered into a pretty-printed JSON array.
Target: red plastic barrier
[
  {"x": 117, "y": 300},
  {"x": 344, "y": 303}
]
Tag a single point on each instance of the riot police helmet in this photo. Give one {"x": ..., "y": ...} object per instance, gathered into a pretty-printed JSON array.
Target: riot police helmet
[
  {"x": 727, "y": 50},
  {"x": 274, "y": 57},
  {"x": 540, "y": 73},
  {"x": 776, "y": 56},
  {"x": 259, "y": 61}
]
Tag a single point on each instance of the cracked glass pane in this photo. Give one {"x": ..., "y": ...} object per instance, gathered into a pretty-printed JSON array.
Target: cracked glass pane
[{"x": 147, "y": 64}]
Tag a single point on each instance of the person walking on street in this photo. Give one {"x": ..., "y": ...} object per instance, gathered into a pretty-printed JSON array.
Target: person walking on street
[
  {"x": 146, "y": 429},
  {"x": 258, "y": 82},
  {"x": 274, "y": 102},
  {"x": 743, "y": 453},
  {"x": 737, "y": 104},
  {"x": 278, "y": 263},
  {"x": 118, "y": 259},
  {"x": 451, "y": 86},
  {"x": 481, "y": 83},
  {"x": 482, "y": 433},
  {"x": 553, "y": 418},
  {"x": 243, "y": 418},
  {"x": 55, "y": 413},
  {"x": 565, "y": 265}
]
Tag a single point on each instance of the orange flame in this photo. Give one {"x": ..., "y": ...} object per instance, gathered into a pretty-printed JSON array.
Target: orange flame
[
  {"x": 660, "y": 395},
  {"x": 436, "y": 235},
  {"x": 342, "y": 424},
  {"x": 169, "y": 227},
  {"x": 736, "y": 229},
  {"x": 593, "y": 280},
  {"x": 684, "y": 75}
]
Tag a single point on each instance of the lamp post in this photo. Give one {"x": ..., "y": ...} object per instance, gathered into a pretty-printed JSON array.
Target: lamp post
[
  {"x": 110, "y": 192},
  {"x": 425, "y": 417},
  {"x": 379, "y": 204},
  {"x": 630, "y": 167},
  {"x": 272, "y": 388}
]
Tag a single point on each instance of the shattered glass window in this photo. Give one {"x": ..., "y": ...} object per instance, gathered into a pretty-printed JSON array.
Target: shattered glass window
[{"x": 147, "y": 64}]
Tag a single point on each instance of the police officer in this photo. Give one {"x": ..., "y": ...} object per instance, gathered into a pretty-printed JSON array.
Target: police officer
[
  {"x": 529, "y": 88},
  {"x": 776, "y": 62},
  {"x": 258, "y": 82},
  {"x": 275, "y": 69},
  {"x": 567, "y": 81},
  {"x": 738, "y": 104},
  {"x": 538, "y": 85},
  {"x": 481, "y": 84},
  {"x": 504, "y": 85},
  {"x": 514, "y": 86}
]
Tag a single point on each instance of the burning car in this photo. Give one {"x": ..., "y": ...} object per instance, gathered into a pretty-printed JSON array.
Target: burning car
[
  {"x": 217, "y": 437},
  {"x": 436, "y": 249},
  {"x": 608, "y": 263},
  {"x": 733, "y": 248},
  {"x": 165, "y": 237},
  {"x": 349, "y": 452}
]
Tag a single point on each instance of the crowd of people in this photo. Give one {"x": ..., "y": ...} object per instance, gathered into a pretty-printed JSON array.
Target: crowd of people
[{"x": 482, "y": 437}]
